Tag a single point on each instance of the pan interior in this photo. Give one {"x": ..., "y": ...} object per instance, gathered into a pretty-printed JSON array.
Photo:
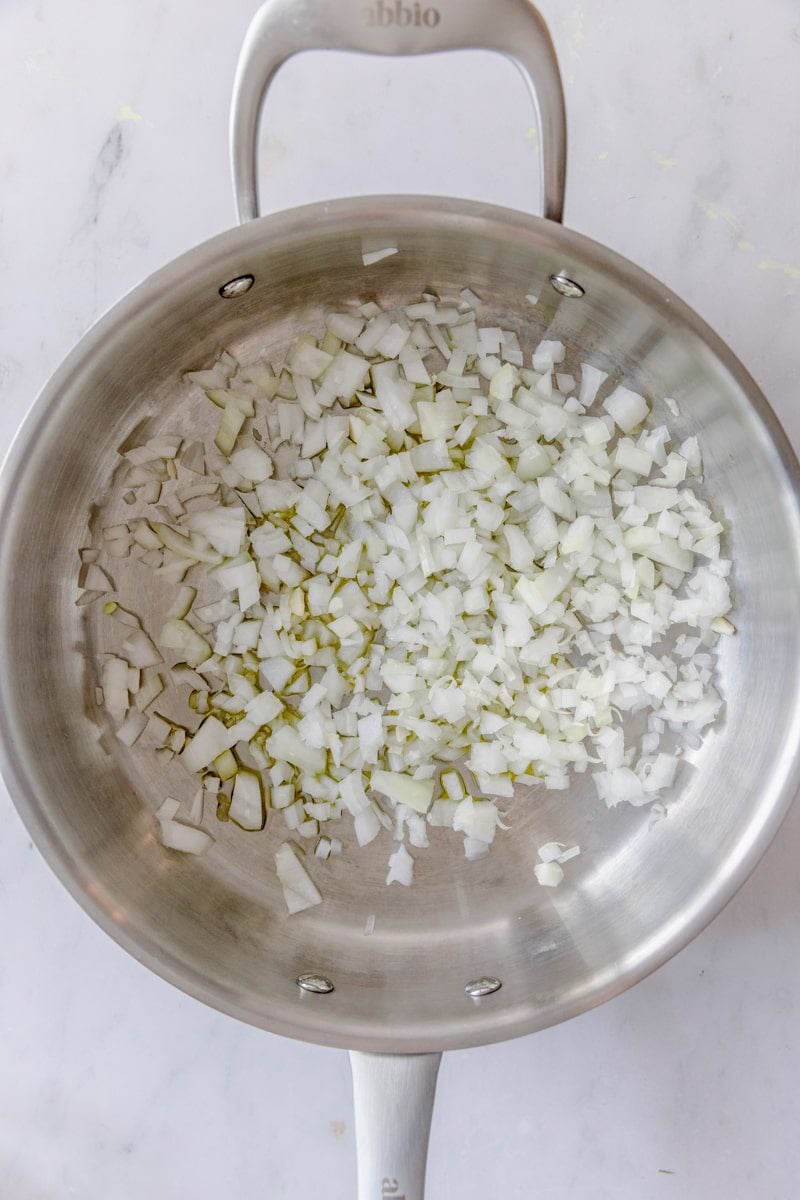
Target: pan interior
[{"x": 217, "y": 926}]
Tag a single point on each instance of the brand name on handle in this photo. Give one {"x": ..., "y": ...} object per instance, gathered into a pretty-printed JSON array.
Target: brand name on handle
[
  {"x": 390, "y": 1190},
  {"x": 385, "y": 14}
]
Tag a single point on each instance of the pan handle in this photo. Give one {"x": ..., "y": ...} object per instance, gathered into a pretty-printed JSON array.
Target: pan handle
[
  {"x": 393, "y": 1096},
  {"x": 283, "y": 28}
]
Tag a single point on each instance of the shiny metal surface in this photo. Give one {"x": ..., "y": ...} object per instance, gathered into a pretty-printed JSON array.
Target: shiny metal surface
[
  {"x": 393, "y": 1097},
  {"x": 217, "y": 927},
  {"x": 318, "y": 984},
  {"x": 477, "y": 988},
  {"x": 236, "y": 287},
  {"x": 567, "y": 287},
  {"x": 282, "y": 28}
]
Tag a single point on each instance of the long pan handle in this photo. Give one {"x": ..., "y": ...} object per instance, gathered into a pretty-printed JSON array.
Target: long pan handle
[
  {"x": 393, "y": 1096},
  {"x": 283, "y": 28}
]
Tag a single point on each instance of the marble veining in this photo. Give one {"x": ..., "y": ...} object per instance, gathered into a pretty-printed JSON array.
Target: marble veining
[{"x": 684, "y": 127}]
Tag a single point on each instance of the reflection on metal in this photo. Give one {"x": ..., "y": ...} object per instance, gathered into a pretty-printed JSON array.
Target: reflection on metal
[
  {"x": 236, "y": 287},
  {"x": 317, "y": 984},
  {"x": 482, "y": 987},
  {"x": 567, "y": 287}
]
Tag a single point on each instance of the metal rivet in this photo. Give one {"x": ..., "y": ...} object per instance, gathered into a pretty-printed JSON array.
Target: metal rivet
[
  {"x": 237, "y": 286},
  {"x": 566, "y": 286},
  {"x": 482, "y": 987},
  {"x": 317, "y": 984}
]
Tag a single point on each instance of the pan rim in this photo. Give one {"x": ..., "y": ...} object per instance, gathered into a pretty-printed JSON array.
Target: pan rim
[{"x": 323, "y": 218}]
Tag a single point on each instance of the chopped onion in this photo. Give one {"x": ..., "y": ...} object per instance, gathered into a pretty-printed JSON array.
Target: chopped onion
[
  {"x": 401, "y": 867},
  {"x": 549, "y": 874},
  {"x": 140, "y": 651},
  {"x": 366, "y": 826},
  {"x": 132, "y": 727},
  {"x": 627, "y": 408},
  {"x": 168, "y": 809},
  {"x": 94, "y": 579},
  {"x": 415, "y": 793},
  {"x": 114, "y": 682},
  {"x": 369, "y": 257},
  {"x": 299, "y": 889},
  {"x": 87, "y": 598},
  {"x": 592, "y": 379},
  {"x": 211, "y": 740},
  {"x": 247, "y": 802},
  {"x": 196, "y": 808},
  {"x": 177, "y": 836},
  {"x": 413, "y": 551}
]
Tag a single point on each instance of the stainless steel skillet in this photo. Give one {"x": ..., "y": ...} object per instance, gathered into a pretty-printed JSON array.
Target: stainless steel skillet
[{"x": 217, "y": 928}]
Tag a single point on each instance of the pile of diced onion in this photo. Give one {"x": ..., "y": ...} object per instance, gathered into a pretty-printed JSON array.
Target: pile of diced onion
[{"x": 413, "y": 573}]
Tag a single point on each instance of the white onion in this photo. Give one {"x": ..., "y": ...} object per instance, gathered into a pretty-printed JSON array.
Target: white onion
[
  {"x": 416, "y": 794},
  {"x": 549, "y": 874},
  {"x": 401, "y": 867},
  {"x": 211, "y": 740},
  {"x": 247, "y": 802},
  {"x": 412, "y": 550},
  {"x": 476, "y": 820},
  {"x": 94, "y": 579},
  {"x": 591, "y": 380},
  {"x": 627, "y": 408},
  {"x": 132, "y": 727},
  {"x": 299, "y": 889},
  {"x": 114, "y": 682},
  {"x": 369, "y": 257},
  {"x": 176, "y": 836},
  {"x": 140, "y": 651}
]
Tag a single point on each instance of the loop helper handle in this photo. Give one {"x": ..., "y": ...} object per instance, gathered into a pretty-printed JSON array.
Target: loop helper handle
[{"x": 283, "y": 28}]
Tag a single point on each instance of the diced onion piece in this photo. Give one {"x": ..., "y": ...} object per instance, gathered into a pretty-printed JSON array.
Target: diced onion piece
[
  {"x": 168, "y": 809},
  {"x": 366, "y": 826},
  {"x": 230, "y": 425},
  {"x": 548, "y": 874},
  {"x": 94, "y": 579},
  {"x": 247, "y": 801},
  {"x": 177, "y": 635},
  {"x": 550, "y": 852},
  {"x": 442, "y": 813},
  {"x": 478, "y": 820},
  {"x": 211, "y": 740},
  {"x": 591, "y": 380},
  {"x": 416, "y": 793},
  {"x": 285, "y": 744},
  {"x": 87, "y": 598},
  {"x": 570, "y": 852},
  {"x": 299, "y": 890},
  {"x": 401, "y": 867},
  {"x": 222, "y": 527},
  {"x": 177, "y": 836},
  {"x": 346, "y": 373},
  {"x": 132, "y": 727},
  {"x": 627, "y": 408},
  {"x": 152, "y": 687},
  {"x": 140, "y": 651},
  {"x": 195, "y": 816},
  {"x": 114, "y": 682},
  {"x": 181, "y": 605},
  {"x": 368, "y": 257},
  {"x": 474, "y": 849}
]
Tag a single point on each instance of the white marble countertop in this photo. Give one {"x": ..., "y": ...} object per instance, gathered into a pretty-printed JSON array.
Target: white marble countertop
[{"x": 685, "y": 127}]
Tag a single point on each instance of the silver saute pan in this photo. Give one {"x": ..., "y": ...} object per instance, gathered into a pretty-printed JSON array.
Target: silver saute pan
[{"x": 474, "y": 952}]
